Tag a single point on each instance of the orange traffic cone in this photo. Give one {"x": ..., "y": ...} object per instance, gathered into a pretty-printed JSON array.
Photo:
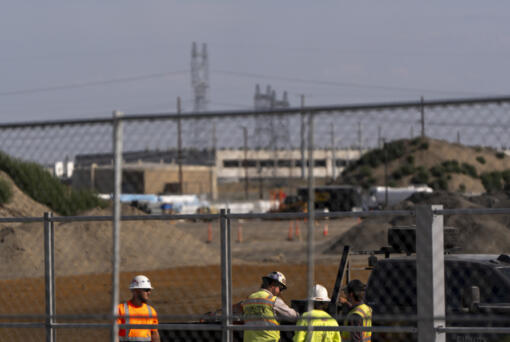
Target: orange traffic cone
[
  {"x": 239, "y": 233},
  {"x": 209, "y": 233},
  {"x": 325, "y": 230},
  {"x": 298, "y": 233},
  {"x": 290, "y": 236}
]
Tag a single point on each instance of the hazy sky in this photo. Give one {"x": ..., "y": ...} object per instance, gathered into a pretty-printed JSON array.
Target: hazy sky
[{"x": 78, "y": 59}]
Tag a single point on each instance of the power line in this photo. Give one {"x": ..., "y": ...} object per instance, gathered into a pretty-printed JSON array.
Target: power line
[
  {"x": 340, "y": 84},
  {"x": 92, "y": 84}
]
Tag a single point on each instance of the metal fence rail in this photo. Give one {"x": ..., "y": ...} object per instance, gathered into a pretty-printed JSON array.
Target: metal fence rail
[{"x": 69, "y": 269}]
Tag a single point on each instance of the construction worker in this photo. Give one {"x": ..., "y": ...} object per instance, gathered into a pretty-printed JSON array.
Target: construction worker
[
  {"x": 318, "y": 317},
  {"x": 265, "y": 308},
  {"x": 137, "y": 311},
  {"x": 359, "y": 315}
]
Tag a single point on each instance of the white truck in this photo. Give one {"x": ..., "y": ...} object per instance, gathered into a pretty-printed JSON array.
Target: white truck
[{"x": 377, "y": 195}]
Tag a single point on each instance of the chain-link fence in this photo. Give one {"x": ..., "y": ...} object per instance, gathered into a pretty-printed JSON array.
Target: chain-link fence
[{"x": 205, "y": 204}]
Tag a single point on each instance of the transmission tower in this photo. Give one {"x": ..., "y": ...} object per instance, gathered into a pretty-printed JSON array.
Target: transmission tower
[
  {"x": 272, "y": 132},
  {"x": 199, "y": 77},
  {"x": 199, "y": 129}
]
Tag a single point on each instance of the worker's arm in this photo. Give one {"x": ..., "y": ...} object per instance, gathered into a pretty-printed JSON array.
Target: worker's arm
[
  {"x": 284, "y": 312},
  {"x": 155, "y": 336},
  {"x": 155, "y": 332}
]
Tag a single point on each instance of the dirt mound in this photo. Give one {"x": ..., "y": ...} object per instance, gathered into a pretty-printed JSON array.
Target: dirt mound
[
  {"x": 476, "y": 233},
  {"x": 86, "y": 247},
  {"x": 438, "y": 163},
  {"x": 20, "y": 205}
]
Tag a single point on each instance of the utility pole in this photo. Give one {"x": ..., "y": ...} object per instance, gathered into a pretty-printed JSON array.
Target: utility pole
[
  {"x": 245, "y": 162},
  {"x": 333, "y": 152},
  {"x": 422, "y": 117},
  {"x": 360, "y": 139},
  {"x": 379, "y": 142},
  {"x": 303, "y": 143},
  {"x": 179, "y": 145},
  {"x": 385, "y": 174}
]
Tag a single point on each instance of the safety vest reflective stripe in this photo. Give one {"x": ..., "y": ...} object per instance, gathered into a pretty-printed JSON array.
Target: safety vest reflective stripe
[
  {"x": 365, "y": 312},
  {"x": 135, "y": 338},
  {"x": 258, "y": 302}
]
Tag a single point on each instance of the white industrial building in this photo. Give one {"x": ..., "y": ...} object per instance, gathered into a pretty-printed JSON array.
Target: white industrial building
[{"x": 236, "y": 164}]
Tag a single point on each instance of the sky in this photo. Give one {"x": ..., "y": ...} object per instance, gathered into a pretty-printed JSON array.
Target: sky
[{"x": 84, "y": 59}]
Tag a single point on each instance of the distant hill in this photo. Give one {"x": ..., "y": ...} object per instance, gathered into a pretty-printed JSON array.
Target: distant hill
[{"x": 440, "y": 164}]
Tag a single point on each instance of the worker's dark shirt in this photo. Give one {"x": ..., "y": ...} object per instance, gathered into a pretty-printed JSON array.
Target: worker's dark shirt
[{"x": 355, "y": 320}]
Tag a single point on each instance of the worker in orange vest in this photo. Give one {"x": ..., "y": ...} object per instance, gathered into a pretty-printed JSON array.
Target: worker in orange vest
[{"x": 137, "y": 311}]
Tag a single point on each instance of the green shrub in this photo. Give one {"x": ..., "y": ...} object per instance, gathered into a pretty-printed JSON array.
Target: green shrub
[
  {"x": 500, "y": 155},
  {"x": 421, "y": 177},
  {"x": 506, "y": 176},
  {"x": 424, "y": 146},
  {"x": 395, "y": 149},
  {"x": 478, "y": 148},
  {"x": 407, "y": 169},
  {"x": 469, "y": 169},
  {"x": 410, "y": 159},
  {"x": 44, "y": 188},
  {"x": 492, "y": 181},
  {"x": 417, "y": 141},
  {"x": 439, "y": 184},
  {"x": 451, "y": 166},
  {"x": 397, "y": 174},
  {"x": 480, "y": 159},
  {"x": 462, "y": 188},
  {"x": 5, "y": 191},
  {"x": 437, "y": 171}
]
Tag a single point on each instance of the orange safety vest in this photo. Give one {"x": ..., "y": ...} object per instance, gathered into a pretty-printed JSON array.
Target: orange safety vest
[{"x": 130, "y": 314}]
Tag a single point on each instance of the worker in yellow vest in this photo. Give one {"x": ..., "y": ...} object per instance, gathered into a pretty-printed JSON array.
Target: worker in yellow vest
[
  {"x": 318, "y": 317},
  {"x": 359, "y": 314},
  {"x": 137, "y": 311},
  {"x": 265, "y": 308}
]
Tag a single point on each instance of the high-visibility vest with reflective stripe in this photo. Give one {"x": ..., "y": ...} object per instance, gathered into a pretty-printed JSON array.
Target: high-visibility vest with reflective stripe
[
  {"x": 142, "y": 315},
  {"x": 259, "y": 309},
  {"x": 317, "y": 318},
  {"x": 365, "y": 312}
]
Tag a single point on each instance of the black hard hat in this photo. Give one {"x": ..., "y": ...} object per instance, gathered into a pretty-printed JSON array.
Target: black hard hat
[{"x": 355, "y": 286}]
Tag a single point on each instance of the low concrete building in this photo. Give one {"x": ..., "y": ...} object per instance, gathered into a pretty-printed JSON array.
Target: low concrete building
[{"x": 148, "y": 178}]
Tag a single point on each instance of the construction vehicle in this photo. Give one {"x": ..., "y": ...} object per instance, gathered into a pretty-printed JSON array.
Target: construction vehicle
[
  {"x": 477, "y": 289},
  {"x": 329, "y": 197}
]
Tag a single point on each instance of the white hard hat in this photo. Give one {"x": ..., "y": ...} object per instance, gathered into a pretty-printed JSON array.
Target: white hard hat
[
  {"x": 320, "y": 294},
  {"x": 140, "y": 282},
  {"x": 278, "y": 277}
]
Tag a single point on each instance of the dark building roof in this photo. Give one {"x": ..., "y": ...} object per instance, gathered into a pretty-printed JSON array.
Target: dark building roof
[{"x": 190, "y": 157}]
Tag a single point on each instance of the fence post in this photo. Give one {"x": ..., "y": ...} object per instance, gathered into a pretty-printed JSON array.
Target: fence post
[
  {"x": 311, "y": 219},
  {"x": 226, "y": 276},
  {"x": 49, "y": 275},
  {"x": 117, "y": 189},
  {"x": 430, "y": 273}
]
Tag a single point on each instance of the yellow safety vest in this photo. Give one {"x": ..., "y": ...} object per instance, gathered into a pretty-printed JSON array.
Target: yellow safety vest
[
  {"x": 319, "y": 318},
  {"x": 365, "y": 312},
  {"x": 258, "y": 309}
]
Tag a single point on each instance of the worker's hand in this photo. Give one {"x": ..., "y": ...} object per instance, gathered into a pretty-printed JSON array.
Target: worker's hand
[{"x": 344, "y": 301}]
